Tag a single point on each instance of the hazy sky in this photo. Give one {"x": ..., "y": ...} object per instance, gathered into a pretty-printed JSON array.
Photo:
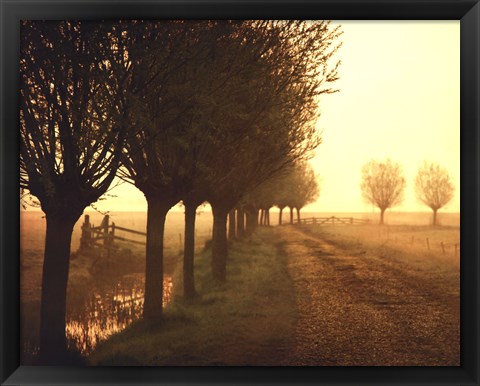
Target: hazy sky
[{"x": 399, "y": 98}]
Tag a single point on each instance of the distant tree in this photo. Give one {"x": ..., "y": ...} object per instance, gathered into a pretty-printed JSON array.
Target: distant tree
[
  {"x": 434, "y": 187},
  {"x": 305, "y": 189},
  {"x": 282, "y": 192},
  {"x": 232, "y": 225},
  {"x": 383, "y": 184},
  {"x": 72, "y": 131},
  {"x": 240, "y": 223}
]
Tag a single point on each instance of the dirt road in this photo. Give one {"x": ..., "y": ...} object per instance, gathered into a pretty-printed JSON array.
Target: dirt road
[{"x": 360, "y": 309}]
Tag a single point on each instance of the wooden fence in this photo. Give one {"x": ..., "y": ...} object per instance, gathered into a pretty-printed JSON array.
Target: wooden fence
[
  {"x": 332, "y": 220},
  {"x": 104, "y": 234},
  {"x": 446, "y": 248}
]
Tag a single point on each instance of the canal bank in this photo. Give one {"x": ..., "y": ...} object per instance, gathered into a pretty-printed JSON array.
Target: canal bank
[
  {"x": 104, "y": 296},
  {"x": 250, "y": 320}
]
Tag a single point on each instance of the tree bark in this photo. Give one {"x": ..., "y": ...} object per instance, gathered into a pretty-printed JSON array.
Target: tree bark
[
  {"x": 262, "y": 217},
  {"x": 219, "y": 243},
  {"x": 267, "y": 217},
  {"x": 298, "y": 215},
  {"x": 435, "y": 217},
  {"x": 280, "y": 216},
  {"x": 291, "y": 215},
  {"x": 156, "y": 214},
  {"x": 53, "y": 344},
  {"x": 189, "y": 250},
  {"x": 240, "y": 222},
  {"x": 231, "y": 225}
]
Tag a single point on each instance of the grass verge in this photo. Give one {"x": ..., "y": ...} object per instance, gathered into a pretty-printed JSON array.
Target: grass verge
[{"x": 250, "y": 320}]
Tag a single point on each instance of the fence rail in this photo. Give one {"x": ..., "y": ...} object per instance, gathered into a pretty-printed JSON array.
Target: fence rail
[
  {"x": 105, "y": 232},
  {"x": 332, "y": 220}
]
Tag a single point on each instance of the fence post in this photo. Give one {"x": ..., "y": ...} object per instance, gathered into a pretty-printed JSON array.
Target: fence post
[
  {"x": 428, "y": 244},
  {"x": 112, "y": 234},
  {"x": 85, "y": 239},
  {"x": 413, "y": 239},
  {"x": 443, "y": 247},
  {"x": 104, "y": 225}
]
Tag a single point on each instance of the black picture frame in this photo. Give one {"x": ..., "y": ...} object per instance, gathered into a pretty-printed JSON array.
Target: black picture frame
[{"x": 467, "y": 11}]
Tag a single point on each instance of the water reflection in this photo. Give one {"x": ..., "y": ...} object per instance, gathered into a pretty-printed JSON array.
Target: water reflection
[{"x": 108, "y": 310}]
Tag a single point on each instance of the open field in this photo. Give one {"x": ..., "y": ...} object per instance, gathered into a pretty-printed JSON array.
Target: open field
[{"x": 423, "y": 245}]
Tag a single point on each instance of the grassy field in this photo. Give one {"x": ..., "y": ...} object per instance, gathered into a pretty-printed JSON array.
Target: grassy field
[
  {"x": 421, "y": 245},
  {"x": 405, "y": 247},
  {"x": 248, "y": 321}
]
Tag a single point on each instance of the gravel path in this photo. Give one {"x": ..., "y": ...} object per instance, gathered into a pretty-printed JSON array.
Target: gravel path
[{"x": 361, "y": 310}]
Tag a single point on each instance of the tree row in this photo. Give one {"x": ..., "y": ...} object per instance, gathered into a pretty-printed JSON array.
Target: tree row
[{"x": 210, "y": 111}]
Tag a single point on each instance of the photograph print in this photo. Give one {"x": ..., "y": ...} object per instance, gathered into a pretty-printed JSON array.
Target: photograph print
[{"x": 239, "y": 193}]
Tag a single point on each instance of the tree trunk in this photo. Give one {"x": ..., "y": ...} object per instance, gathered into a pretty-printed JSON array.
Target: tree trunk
[
  {"x": 156, "y": 214},
  {"x": 298, "y": 215},
  {"x": 262, "y": 217},
  {"x": 382, "y": 215},
  {"x": 280, "y": 216},
  {"x": 291, "y": 215},
  {"x": 231, "y": 225},
  {"x": 219, "y": 243},
  {"x": 53, "y": 344},
  {"x": 267, "y": 217},
  {"x": 252, "y": 220},
  {"x": 248, "y": 222},
  {"x": 435, "y": 217},
  {"x": 189, "y": 250},
  {"x": 240, "y": 222}
]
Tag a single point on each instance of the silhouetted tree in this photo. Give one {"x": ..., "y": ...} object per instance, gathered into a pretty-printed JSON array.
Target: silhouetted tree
[
  {"x": 72, "y": 130},
  {"x": 434, "y": 187},
  {"x": 382, "y": 184},
  {"x": 305, "y": 189},
  {"x": 231, "y": 225},
  {"x": 240, "y": 221}
]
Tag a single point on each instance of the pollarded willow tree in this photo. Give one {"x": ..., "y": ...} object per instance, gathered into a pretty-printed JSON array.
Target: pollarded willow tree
[
  {"x": 383, "y": 184},
  {"x": 434, "y": 187},
  {"x": 72, "y": 131},
  {"x": 305, "y": 187},
  {"x": 295, "y": 187}
]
